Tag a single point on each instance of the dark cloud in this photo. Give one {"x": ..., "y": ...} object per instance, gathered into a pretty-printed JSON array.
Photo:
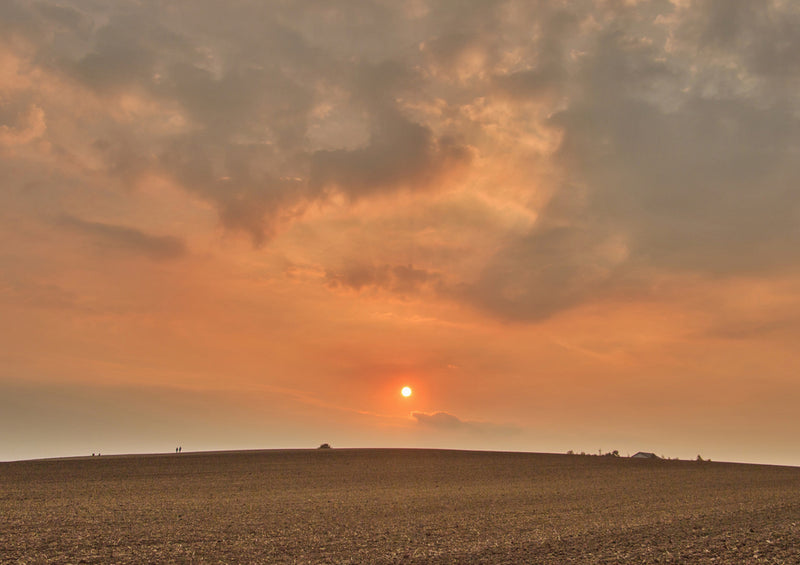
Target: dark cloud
[
  {"x": 65, "y": 18},
  {"x": 400, "y": 154},
  {"x": 114, "y": 238},
  {"x": 124, "y": 53},
  {"x": 248, "y": 198},
  {"x": 545, "y": 272},
  {"x": 761, "y": 35},
  {"x": 547, "y": 77},
  {"x": 259, "y": 101},
  {"x": 447, "y": 422},
  {"x": 246, "y": 93},
  {"x": 671, "y": 163},
  {"x": 677, "y": 123},
  {"x": 689, "y": 179},
  {"x": 401, "y": 279},
  {"x": 18, "y": 19}
]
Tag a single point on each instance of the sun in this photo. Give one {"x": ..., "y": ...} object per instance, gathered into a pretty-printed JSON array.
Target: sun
[{"x": 406, "y": 391}]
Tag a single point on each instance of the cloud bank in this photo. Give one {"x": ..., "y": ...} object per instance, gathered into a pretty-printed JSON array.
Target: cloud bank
[{"x": 638, "y": 137}]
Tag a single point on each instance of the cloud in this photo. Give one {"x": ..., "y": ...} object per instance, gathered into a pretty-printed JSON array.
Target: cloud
[
  {"x": 241, "y": 104},
  {"x": 447, "y": 422},
  {"x": 748, "y": 330},
  {"x": 400, "y": 154},
  {"x": 546, "y": 271},
  {"x": 29, "y": 127},
  {"x": 247, "y": 198},
  {"x": 666, "y": 160},
  {"x": 40, "y": 295},
  {"x": 639, "y": 137},
  {"x": 116, "y": 238},
  {"x": 688, "y": 174},
  {"x": 670, "y": 162},
  {"x": 401, "y": 279},
  {"x": 762, "y": 35}
]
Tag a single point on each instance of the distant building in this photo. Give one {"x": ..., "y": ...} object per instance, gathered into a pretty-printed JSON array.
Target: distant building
[{"x": 644, "y": 455}]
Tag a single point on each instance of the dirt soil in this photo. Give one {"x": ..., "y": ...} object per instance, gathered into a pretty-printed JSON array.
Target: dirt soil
[{"x": 395, "y": 506}]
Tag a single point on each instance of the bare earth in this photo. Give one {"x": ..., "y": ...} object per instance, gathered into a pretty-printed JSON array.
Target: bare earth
[{"x": 395, "y": 506}]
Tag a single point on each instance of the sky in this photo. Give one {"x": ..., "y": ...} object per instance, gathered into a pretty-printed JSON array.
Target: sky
[{"x": 245, "y": 225}]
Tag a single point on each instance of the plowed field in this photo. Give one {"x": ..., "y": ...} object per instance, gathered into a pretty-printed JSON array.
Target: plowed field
[{"x": 395, "y": 506}]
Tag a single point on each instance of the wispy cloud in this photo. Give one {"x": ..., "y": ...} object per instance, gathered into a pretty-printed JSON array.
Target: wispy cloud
[
  {"x": 123, "y": 239},
  {"x": 401, "y": 279}
]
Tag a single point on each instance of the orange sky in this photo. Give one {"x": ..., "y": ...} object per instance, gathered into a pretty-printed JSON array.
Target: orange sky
[{"x": 564, "y": 225}]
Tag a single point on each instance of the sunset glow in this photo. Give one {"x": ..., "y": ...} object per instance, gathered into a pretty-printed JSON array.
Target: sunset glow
[
  {"x": 245, "y": 226},
  {"x": 406, "y": 391}
]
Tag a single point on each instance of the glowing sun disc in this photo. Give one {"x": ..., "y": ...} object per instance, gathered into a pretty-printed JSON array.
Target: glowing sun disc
[{"x": 406, "y": 391}]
